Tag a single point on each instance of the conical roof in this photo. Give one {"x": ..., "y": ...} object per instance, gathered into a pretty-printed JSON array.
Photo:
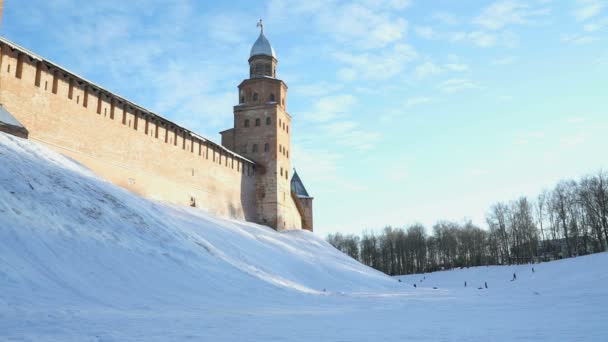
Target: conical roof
[
  {"x": 8, "y": 118},
  {"x": 297, "y": 186}
]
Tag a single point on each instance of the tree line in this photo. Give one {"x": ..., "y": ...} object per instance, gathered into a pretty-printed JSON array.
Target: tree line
[{"x": 569, "y": 220}]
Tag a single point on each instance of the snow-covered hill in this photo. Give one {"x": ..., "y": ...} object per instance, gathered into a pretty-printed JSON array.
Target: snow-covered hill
[{"x": 83, "y": 260}]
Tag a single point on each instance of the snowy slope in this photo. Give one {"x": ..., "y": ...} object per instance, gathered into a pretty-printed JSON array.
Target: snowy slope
[{"x": 83, "y": 260}]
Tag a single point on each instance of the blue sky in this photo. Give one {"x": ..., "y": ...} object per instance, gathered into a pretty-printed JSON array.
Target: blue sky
[{"x": 403, "y": 111}]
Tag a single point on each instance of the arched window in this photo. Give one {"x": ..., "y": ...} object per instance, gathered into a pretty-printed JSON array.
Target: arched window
[
  {"x": 266, "y": 147},
  {"x": 267, "y": 69},
  {"x": 258, "y": 68},
  {"x": 287, "y": 128},
  {"x": 255, "y": 96},
  {"x": 254, "y": 148},
  {"x": 242, "y": 99},
  {"x": 272, "y": 99},
  {"x": 280, "y": 148},
  {"x": 257, "y": 121},
  {"x": 281, "y": 172},
  {"x": 268, "y": 121},
  {"x": 246, "y": 122},
  {"x": 287, "y": 153}
]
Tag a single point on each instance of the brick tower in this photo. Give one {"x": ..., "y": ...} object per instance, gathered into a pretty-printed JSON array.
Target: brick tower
[{"x": 261, "y": 133}]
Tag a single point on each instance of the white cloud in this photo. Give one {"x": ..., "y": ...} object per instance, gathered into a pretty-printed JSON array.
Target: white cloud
[
  {"x": 482, "y": 39},
  {"x": 362, "y": 26},
  {"x": 426, "y": 69},
  {"x": 331, "y": 107},
  {"x": 579, "y": 39},
  {"x": 506, "y": 12},
  {"x": 349, "y": 134},
  {"x": 322, "y": 88},
  {"x": 457, "y": 84},
  {"x": 445, "y": 18},
  {"x": 380, "y": 65},
  {"x": 505, "y": 60},
  {"x": 597, "y": 25},
  {"x": 457, "y": 67},
  {"x": 416, "y": 101},
  {"x": 425, "y": 32},
  {"x": 588, "y": 9}
]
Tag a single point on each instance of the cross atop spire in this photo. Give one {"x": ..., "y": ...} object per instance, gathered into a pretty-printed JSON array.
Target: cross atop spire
[{"x": 261, "y": 26}]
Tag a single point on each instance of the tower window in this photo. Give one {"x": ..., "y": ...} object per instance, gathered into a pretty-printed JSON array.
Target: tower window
[
  {"x": 267, "y": 69},
  {"x": 254, "y": 148},
  {"x": 257, "y": 122},
  {"x": 272, "y": 99},
  {"x": 266, "y": 147},
  {"x": 280, "y": 149},
  {"x": 287, "y": 154},
  {"x": 255, "y": 96},
  {"x": 287, "y": 128},
  {"x": 268, "y": 121},
  {"x": 281, "y": 172},
  {"x": 246, "y": 122},
  {"x": 258, "y": 68},
  {"x": 242, "y": 99}
]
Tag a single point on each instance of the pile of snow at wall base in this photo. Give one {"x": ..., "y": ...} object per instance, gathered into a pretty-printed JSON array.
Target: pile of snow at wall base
[{"x": 68, "y": 234}]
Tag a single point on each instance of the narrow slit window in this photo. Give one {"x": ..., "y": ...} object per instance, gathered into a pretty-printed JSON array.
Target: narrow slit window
[
  {"x": 55, "y": 82},
  {"x": 38, "y": 74},
  {"x": 19, "y": 71}
]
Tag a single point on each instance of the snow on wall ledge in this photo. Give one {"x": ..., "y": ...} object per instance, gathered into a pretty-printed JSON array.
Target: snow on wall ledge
[{"x": 68, "y": 234}]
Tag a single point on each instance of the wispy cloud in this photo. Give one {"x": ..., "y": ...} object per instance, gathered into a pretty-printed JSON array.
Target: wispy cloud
[
  {"x": 506, "y": 12},
  {"x": 457, "y": 84},
  {"x": 457, "y": 67},
  {"x": 425, "y": 32},
  {"x": 379, "y": 65},
  {"x": 426, "y": 69},
  {"x": 328, "y": 108},
  {"x": 416, "y": 101},
  {"x": 587, "y": 9},
  {"x": 507, "y": 60}
]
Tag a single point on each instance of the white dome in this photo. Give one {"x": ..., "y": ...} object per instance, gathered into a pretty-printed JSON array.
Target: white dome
[{"x": 262, "y": 47}]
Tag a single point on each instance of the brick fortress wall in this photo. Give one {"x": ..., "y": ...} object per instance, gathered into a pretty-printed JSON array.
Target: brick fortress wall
[{"x": 121, "y": 141}]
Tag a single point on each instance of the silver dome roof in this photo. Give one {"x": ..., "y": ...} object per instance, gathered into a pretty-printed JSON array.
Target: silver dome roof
[{"x": 262, "y": 47}]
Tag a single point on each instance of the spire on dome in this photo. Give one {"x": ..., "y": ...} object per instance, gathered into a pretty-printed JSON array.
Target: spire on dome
[{"x": 262, "y": 46}]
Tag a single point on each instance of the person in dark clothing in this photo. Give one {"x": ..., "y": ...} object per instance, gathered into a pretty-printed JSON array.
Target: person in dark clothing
[
  {"x": 533, "y": 269},
  {"x": 514, "y": 277},
  {"x": 414, "y": 285},
  {"x": 486, "y": 284},
  {"x": 465, "y": 284}
]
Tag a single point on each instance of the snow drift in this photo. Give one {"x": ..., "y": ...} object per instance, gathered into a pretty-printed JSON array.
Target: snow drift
[{"x": 84, "y": 260}]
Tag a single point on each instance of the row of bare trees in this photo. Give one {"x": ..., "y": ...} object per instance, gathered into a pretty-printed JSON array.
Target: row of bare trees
[{"x": 570, "y": 219}]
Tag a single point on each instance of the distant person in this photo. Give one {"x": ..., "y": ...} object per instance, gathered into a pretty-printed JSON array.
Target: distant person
[
  {"x": 532, "y": 269},
  {"x": 414, "y": 285},
  {"x": 486, "y": 284},
  {"x": 465, "y": 283},
  {"x": 399, "y": 280},
  {"x": 514, "y": 277}
]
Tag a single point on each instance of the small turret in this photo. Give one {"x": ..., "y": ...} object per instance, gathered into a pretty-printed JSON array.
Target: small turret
[{"x": 262, "y": 58}]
